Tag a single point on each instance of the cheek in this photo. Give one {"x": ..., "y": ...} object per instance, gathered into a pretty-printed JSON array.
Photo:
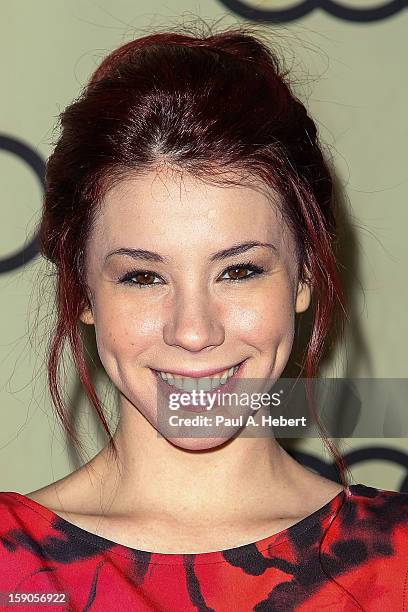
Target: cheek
[
  {"x": 268, "y": 318},
  {"x": 123, "y": 330}
]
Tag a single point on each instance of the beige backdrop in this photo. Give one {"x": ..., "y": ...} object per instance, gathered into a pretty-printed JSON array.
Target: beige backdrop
[{"x": 354, "y": 78}]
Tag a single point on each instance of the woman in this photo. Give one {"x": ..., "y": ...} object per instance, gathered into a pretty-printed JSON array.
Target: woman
[{"x": 189, "y": 216}]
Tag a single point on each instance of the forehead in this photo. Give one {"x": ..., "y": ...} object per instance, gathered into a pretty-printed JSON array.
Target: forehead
[{"x": 164, "y": 207}]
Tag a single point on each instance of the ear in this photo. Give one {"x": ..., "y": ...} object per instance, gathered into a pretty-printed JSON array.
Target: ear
[
  {"x": 304, "y": 296},
  {"x": 86, "y": 316}
]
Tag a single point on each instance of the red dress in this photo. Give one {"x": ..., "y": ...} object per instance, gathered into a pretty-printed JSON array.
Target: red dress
[{"x": 349, "y": 555}]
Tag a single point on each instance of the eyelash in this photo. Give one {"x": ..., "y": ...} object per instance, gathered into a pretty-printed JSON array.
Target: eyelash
[{"x": 127, "y": 279}]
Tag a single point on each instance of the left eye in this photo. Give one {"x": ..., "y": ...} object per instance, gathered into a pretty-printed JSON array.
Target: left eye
[{"x": 240, "y": 272}]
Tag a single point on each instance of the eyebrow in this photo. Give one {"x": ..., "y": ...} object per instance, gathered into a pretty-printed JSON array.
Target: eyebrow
[{"x": 236, "y": 249}]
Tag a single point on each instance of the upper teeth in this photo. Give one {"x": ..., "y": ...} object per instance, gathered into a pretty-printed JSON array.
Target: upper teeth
[{"x": 207, "y": 383}]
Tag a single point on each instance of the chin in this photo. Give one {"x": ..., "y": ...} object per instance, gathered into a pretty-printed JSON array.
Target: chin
[{"x": 198, "y": 444}]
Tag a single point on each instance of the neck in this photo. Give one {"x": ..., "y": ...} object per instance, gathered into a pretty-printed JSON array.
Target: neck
[{"x": 243, "y": 477}]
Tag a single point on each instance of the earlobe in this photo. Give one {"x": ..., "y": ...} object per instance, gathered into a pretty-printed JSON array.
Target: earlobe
[
  {"x": 303, "y": 297},
  {"x": 86, "y": 316}
]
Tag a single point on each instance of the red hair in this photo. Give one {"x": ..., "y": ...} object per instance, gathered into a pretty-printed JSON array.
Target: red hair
[{"x": 208, "y": 105}]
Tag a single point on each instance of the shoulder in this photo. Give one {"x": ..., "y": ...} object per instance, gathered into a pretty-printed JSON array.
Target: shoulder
[
  {"x": 366, "y": 492},
  {"x": 25, "y": 525},
  {"x": 21, "y": 520},
  {"x": 15, "y": 510},
  {"x": 370, "y": 538},
  {"x": 369, "y": 505},
  {"x": 378, "y": 518},
  {"x": 21, "y": 530},
  {"x": 355, "y": 555}
]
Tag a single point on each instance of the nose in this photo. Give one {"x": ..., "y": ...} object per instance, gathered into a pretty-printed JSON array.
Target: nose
[{"x": 194, "y": 323}]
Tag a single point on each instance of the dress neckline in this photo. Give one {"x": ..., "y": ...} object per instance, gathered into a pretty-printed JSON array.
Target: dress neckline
[{"x": 327, "y": 512}]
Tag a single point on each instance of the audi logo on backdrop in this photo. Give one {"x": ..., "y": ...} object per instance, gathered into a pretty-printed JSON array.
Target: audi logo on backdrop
[
  {"x": 360, "y": 455},
  {"x": 29, "y": 250},
  {"x": 259, "y": 11}
]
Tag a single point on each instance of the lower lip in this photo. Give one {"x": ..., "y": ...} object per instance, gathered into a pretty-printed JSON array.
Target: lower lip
[{"x": 226, "y": 387}]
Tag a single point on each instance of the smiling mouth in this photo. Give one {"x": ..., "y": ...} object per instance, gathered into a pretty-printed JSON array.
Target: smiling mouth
[{"x": 206, "y": 383}]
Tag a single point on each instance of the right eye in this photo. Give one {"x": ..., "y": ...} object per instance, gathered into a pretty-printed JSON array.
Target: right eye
[{"x": 140, "y": 278}]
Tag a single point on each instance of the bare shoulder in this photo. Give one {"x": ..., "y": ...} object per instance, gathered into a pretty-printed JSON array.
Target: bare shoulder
[
  {"x": 67, "y": 495},
  {"x": 323, "y": 490},
  {"x": 308, "y": 491}
]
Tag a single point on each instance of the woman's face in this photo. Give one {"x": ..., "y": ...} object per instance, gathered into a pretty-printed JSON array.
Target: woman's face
[{"x": 186, "y": 277}]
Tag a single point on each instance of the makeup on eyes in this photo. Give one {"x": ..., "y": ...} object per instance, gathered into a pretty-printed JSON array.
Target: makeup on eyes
[{"x": 254, "y": 269}]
